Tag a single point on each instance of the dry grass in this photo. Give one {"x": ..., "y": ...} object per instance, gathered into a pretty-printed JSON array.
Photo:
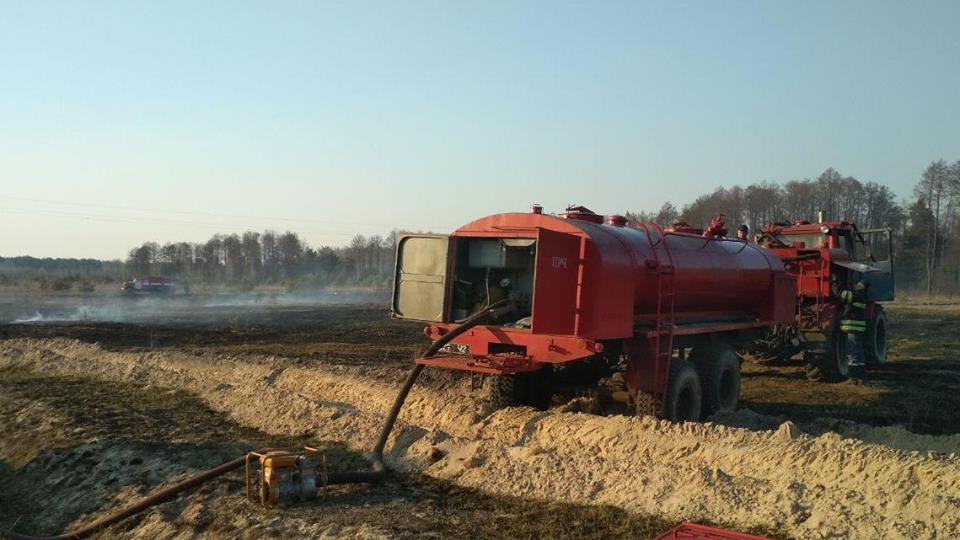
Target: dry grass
[{"x": 919, "y": 386}]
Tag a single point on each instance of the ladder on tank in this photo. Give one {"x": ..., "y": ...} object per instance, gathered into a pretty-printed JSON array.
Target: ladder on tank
[{"x": 665, "y": 317}]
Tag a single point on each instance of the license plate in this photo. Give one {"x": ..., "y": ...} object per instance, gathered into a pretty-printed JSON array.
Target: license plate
[{"x": 455, "y": 348}]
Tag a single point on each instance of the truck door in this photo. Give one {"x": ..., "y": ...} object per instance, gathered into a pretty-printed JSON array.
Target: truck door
[
  {"x": 420, "y": 281},
  {"x": 876, "y": 249},
  {"x": 556, "y": 283}
]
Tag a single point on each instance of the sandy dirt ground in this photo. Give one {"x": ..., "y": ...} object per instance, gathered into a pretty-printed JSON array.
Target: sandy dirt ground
[{"x": 802, "y": 459}]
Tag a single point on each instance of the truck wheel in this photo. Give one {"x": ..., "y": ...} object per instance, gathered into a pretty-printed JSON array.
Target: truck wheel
[
  {"x": 684, "y": 398},
  {"x": 719, "y": 370},
  {"x": 832, "y": 366},
  {"x": 534, "y": 389},
  {"x": 875, "y": 339}
]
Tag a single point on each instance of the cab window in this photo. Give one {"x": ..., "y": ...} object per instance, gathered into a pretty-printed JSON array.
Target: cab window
[{"x": 809, "y": 241}]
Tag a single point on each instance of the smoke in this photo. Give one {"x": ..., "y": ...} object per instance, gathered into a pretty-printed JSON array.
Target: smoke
[
  {"x": 38, "y": 317},
  {"x": 55, "y": 314},
  {"x": 207, "y": 308}
]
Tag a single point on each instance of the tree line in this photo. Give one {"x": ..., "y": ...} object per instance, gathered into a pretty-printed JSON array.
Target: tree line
[
  {"x": 925, "y": 229},
  {"x": 839, "y": 197},
  {"x": 250, "y": 259},
  {"x": 237, "y": 261}
]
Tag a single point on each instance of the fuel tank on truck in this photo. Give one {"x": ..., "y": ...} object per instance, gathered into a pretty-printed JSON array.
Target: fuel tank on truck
[{"x": 578, "y": 275}]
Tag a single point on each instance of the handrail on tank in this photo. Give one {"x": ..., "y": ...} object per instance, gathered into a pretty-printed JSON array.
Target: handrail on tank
[
  {"x": 646, "y": 230},
  {"x": 659, "y": 230}
]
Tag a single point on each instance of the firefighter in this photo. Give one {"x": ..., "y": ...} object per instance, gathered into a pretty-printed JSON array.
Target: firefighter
[
  {"x": 853, "y": 324},
  {"x": 743, "y": 233},
  {"x": 717, "y": 228}
]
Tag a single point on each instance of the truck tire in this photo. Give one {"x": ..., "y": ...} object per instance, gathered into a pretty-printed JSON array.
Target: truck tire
[
  {"x": 719, "y": 370},
  {"x": 684, "y": 398},
  {"x": 534, "y": 389},
  {"x": 875, "y": 339},
  {"x": 831, "y": 366}
]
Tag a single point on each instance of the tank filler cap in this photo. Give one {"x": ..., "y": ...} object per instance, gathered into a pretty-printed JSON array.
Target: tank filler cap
[
  {"x": 616, "y": 220},
  {"x": 582, "y": 213}
]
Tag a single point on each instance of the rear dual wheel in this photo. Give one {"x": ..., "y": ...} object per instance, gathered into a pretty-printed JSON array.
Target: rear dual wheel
[
  {"x": 683, "y": 401},
  {"x": 718, "y": 366},
  {"x": 708, "y": 383},
  {"x": 534, "y": 389}
]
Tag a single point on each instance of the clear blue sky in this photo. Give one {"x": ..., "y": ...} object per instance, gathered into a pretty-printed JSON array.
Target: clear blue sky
[{"x": 335, "y": 118}]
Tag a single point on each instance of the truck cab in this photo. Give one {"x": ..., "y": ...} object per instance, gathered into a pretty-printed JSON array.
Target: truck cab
[
  {"x": 827, "y": 259},
  {"x": 833, "y": 253}
]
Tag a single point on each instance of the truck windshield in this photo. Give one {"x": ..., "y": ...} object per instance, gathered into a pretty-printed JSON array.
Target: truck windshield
[{"x": 809, "y": 241}]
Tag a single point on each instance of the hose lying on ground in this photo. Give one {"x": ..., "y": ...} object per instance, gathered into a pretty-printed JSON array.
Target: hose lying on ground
[
  {"x": 140, "y": 506},
  {"x": 378, "y": 467},
  {"x": 357, "y": 477}
]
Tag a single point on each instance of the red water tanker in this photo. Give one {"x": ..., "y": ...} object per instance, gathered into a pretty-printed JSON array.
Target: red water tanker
[{"x": 582, "y": 289}]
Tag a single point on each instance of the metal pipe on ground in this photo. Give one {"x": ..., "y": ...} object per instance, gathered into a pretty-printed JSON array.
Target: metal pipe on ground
[
  {"x": 356, "y": 477},
  {"x": 140, "y": 506}
]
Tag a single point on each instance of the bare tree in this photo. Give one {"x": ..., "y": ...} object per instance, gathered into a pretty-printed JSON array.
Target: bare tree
[
  {"x": 667, "y": 215},
  {"x": 290, "y": 250},
  {"x": 140, "y": 259},
  {"x": 356, "y": 254},
  {"x": 932, "y": 188},
  {"x": 252, "y": 256}
]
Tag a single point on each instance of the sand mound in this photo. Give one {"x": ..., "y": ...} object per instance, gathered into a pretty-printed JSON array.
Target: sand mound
[
  {"x": 808, "y": 486},
  {"x": 895, "y": 436}
]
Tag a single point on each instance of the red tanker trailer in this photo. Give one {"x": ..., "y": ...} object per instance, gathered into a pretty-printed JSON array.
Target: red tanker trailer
[{"x": 585, "y": 295}]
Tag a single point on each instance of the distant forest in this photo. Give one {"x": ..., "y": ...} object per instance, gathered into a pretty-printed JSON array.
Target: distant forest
[
  {"x": 236, "y": 261},
  {"x": 925, "y": 229},
  {"x": 250, "y": 259}
]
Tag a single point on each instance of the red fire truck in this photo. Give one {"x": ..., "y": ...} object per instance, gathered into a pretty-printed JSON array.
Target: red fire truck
[
  {"x": 841, "y": 274},
  {"x": 153, "y": 285}
]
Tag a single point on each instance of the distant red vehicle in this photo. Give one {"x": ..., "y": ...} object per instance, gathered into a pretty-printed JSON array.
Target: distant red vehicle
[{"x": 153, "y": 285}]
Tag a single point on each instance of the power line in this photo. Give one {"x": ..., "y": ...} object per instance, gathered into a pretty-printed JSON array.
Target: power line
[
  {"x": 154, "y": 221},
  {"x": 210, "y": 214}
]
